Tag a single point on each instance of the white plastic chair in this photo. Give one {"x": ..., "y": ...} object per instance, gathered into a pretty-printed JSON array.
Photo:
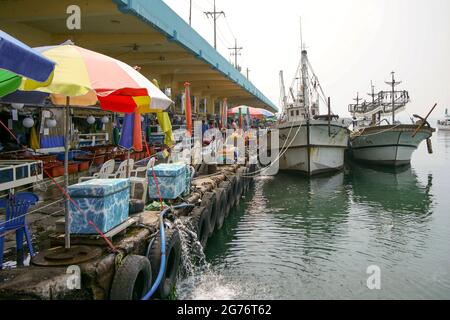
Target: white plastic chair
[
  {"x": 136, "y": 178},
  {"x": 123, "y": 171},
  {"x": 104, "y": 172}
]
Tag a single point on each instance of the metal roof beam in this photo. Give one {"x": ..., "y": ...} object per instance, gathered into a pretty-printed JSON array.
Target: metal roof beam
[
  {"x": 32, "y": 10},
  {"x": 101, "y": 40}
]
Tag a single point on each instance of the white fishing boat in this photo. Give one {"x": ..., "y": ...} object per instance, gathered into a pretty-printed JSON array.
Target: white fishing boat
[
  {"x": 444, "y": 124},
  {"x": 310, "y": 143},
  {"x": 378, "y": 141}
]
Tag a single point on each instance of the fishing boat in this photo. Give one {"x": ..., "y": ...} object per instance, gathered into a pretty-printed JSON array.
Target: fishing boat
[
  {"x": 309, "y": 142},
  {"x": 444, "y": 124},
  {"x": 378, "y": 141}
]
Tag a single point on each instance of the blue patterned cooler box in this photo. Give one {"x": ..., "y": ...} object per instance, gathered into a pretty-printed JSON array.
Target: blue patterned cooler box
[
  {"x": 104, "y": 201},
  {"x": 171, "y": 181}
]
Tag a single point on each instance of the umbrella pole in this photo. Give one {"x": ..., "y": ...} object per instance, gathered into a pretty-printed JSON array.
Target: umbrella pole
[
  {"x": 128, "y": 163},
  {"x": 66, "y": 174}
]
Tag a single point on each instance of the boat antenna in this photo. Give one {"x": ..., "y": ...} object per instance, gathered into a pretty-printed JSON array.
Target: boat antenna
[
  {"x": 373, "y": 92},
  {"x": 301, "y": 35}
]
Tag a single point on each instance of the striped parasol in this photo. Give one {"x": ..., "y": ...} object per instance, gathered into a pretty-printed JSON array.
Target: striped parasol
[{"x": 88, "y": 77}]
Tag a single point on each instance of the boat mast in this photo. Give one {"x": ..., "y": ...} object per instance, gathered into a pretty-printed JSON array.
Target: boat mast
[
  {"x": 304, "y": 73},
  {"x": 393, "y": 83},
  {"x": 283, "y": 92},
  {"x": 357, "y": 99},
  {"x": 377, "y": 115},
  {"x": 305, "y": 82}
]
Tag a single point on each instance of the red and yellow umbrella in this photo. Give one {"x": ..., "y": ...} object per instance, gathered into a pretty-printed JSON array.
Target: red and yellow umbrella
[{"x": 88, "y": 77}]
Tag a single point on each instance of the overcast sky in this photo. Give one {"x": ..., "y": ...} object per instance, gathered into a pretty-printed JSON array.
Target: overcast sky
[{"x": 350, "y": 43}]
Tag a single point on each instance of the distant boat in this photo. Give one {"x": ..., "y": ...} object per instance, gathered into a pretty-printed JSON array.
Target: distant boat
[
  {"x": 310, "y": 143},
  {"x": 444, "y": 124},
  {"x": 378, "y": 141}
]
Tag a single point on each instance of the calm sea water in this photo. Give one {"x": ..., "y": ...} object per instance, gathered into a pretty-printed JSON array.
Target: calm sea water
[{"x": 294, "y": 238}]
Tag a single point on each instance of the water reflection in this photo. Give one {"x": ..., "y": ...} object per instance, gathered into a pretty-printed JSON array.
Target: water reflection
[{"x": 395, "y": 190}]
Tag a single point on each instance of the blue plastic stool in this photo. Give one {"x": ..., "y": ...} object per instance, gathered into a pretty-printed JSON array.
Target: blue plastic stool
[{"x": 16, "y": 208}]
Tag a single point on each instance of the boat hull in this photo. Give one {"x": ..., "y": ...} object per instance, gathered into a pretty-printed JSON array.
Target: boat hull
[
  {"x": 312, "y": 147},
  {"x": 388, "y": 145}
]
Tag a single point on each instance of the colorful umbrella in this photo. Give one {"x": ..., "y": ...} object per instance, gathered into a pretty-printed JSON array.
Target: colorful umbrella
[
  {"x": 17, "y": 60},
  {"x": 89, "y": 77},
  {"x": 265, "y": 113},
  {"x": 254, "y": 112}
]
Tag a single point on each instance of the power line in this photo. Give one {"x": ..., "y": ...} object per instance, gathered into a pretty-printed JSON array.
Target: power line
[{"x": 215, "y": 15}]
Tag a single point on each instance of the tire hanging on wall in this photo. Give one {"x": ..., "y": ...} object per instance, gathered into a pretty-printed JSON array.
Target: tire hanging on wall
[
  {"x": 246, "y": 179},
  {"x": 226, "y": 185},
  {"x": 209, "y": 200},
  {"x": 200, "y": 220},
  {"x": 173, "y": 258},
  {"x": 239, "y": 187},
  {"x": 221, "y": 207},
  {"x": 132, "y": 279},
  {"x": 234, "y": 187}
]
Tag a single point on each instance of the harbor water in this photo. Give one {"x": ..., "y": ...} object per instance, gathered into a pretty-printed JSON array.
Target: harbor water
[{"x": 295, "y": 238}]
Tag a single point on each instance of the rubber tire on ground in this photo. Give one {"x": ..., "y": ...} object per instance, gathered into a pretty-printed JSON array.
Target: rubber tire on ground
[
  {"x": 132, "y": 279},
  {"x": 173, "y": 258},
  {"x": 221, "y": 207},
  {"x": 226, "y": 185},
  {"x": 209, "y": 200},
  {"x": 200, "y": 220}
]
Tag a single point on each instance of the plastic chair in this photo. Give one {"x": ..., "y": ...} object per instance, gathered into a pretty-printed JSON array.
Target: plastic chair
[
  {"x": 16, "y": 209},
  {"x": 105, "y": 171},
  {"x": 123, "y": 171},
  {"x": 136, "y": 178}
]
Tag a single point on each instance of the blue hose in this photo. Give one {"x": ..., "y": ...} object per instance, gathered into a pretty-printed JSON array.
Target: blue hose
[{"x": 162, "y": 267}]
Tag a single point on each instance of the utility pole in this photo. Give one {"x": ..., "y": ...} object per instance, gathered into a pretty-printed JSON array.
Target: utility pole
[
  {"x": 190, "y": 12},
  {"x": 215, "y": 15},
  {"x": 248, "y": 71},
  {"x": 236, "y": 53}
]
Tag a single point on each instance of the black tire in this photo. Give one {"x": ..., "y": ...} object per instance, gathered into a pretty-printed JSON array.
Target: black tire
[
  {"x": 173, "y": 258},
  {"x": 209, "y": 200},
  {"x": 235, "y": 188},
  {"x": 200, "y": 220},
  {"x": 221, "y": 207},
  {"x": 251, "y": 171},
  {"x": 247, "y": 179},
  {"x": 132, "y": 279},
  {"x": 242, "y": 173},
  {"x": 239, "y": 187},
  {"x": 136, "y": 206},
  {"x": 226, "y": 185}
]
